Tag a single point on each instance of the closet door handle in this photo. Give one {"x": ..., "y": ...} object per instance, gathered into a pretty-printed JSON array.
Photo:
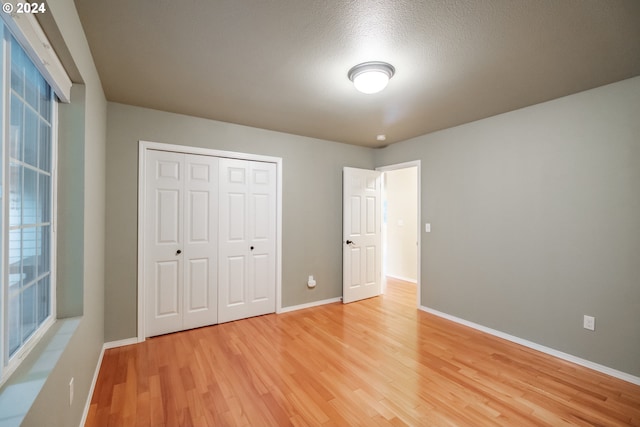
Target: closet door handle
[
  {"x": 251, "y": 247},
  {"x": 178, "y": 252}
]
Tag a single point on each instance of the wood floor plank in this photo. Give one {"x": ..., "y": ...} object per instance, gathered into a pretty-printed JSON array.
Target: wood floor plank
[{"x": 377, "y": 362}]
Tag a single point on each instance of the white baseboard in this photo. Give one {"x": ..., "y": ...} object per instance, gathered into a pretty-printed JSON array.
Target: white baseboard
[
  {"x": 309, "y": 305},
  {"x": 404, "y": 279},
  {"x": 87, "y": 404},
  {"x": 120, "y": 343},
  {"x": 541, "y": 348}
]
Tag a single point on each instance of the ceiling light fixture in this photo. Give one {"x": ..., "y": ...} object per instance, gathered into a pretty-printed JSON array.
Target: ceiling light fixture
[{"x": 371, "y": 77}]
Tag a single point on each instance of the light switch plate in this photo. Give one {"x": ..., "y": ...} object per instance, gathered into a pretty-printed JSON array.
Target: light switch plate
[{"x": 427, "y": 228}]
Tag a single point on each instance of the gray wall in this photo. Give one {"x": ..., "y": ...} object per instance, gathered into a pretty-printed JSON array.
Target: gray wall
[
  {"x": 81, "y": 252},
  {"x": 312, "y": 202},
  {"x": 536, "y": 221},
  {"x": 70, "y": 218}
]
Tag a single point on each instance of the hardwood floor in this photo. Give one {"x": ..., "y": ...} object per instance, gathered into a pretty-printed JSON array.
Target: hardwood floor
[{"x": 378, "y": 362}]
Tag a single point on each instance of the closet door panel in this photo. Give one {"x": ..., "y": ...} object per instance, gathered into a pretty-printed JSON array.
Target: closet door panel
[
  {"x": 163, "y": 267},
  {"x": 262, "y": 234},
  {"x": 201, "y": 241},
  {"x": 247, "y": 242},
  {"x": 181, "y": 256},
  {"x": 233, "y": 244}
]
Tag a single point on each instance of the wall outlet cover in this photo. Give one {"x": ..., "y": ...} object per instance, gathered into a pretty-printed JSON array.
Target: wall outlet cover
[{"x": 589, "y": 323}]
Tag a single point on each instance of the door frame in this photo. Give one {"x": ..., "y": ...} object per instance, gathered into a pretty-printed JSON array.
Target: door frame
[
  {"x": 405, "y": 165},
  {"x": 143, "y": 147}
]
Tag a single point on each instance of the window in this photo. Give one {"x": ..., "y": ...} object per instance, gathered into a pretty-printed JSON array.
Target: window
[{"x": 27, "y": 159}]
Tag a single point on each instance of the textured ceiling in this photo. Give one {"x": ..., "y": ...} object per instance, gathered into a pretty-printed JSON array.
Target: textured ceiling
[{"x": 282, "y": 64}]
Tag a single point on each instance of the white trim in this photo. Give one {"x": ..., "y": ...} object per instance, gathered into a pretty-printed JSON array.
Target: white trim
[
  {"x": 141, "y": 201},
  {"x": 404, "y": 279},
  {"x": 541, "y": 348},
  {"x": 175, "y": 148},
  {"x": 27, "y": 31},
  {"x": 148, "y": 145},
  {"x": 278, "y": 235},
  {"x": 417, "y": 164},
  {"x": 96, "y": 372},
  {"x": 309, "y": 305},
  {"x": 120, "y": 343}
]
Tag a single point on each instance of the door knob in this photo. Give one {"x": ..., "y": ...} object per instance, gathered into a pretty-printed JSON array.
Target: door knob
[
  {"x": 178, "y": 252},
  {"x": 349, "y": 242},
  {"x": 251, "y": 247}
]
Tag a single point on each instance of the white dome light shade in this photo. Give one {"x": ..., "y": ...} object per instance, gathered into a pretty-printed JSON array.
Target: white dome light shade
[
  {"x": 371, "y": 81},
  {"x": 371, "y": 77}
]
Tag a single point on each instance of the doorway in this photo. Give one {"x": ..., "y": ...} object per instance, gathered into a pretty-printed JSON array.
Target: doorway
[{"x": 401, "y": 224}]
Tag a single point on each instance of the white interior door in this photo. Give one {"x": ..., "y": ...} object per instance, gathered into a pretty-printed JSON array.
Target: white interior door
[
  {"x": 200, "y": 241},
  {"x": 247, "y": 236},
  {"x": 362, "y": 229},
  {"x": 180, "y": 242}
]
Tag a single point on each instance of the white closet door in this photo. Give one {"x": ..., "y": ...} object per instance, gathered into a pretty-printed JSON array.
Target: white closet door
[
  {"x": 200, "y": 250},
  {"x": 181, "y": 242},
  {"x": 247, "y": 235},
  {"x": 163, "y": 264}
]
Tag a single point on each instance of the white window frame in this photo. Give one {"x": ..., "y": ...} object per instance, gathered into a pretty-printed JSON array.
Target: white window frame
[{"x": 8, "y": 365}]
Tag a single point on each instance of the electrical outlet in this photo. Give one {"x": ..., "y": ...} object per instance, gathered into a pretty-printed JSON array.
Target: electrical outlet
[
  {"x": 311, "y": 282},
  {"x": 71, "y": 391},
  {"x": 589, "y": 323}
]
